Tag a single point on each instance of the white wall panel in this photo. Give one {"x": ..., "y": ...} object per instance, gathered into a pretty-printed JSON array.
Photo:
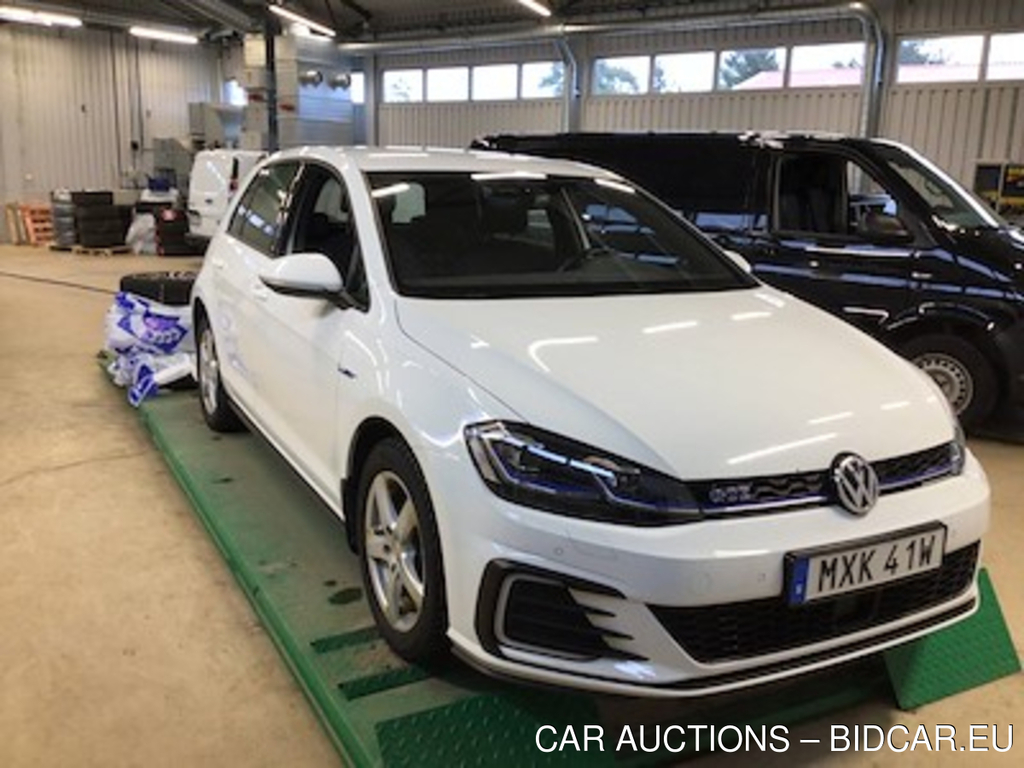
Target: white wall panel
[
  {"x": 73, "y": 101},
  {"x": 956, "y": 125},
  {"x": 455, "y": 125},
  {"x": 953, "y": 16},
  {"x": 836, "y": 110}
]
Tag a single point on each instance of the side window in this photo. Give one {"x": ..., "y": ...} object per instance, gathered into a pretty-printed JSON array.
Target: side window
[
  {"x": 258, "y": 218},
  {"x": 833, "y": 196},
  {"x": 812, "y": 195},
  {"x": 321, "y": 222}
]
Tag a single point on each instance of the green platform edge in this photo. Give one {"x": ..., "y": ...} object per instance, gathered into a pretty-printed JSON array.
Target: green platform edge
[
  {"x": 966, "y": 655},
  {"x": 375, "y": 709}
]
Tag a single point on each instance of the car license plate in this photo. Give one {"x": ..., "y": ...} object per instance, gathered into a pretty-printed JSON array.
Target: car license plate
[{"x": 821, "y": 574}]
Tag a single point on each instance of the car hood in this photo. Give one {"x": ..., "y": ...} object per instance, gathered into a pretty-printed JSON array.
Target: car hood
[{"x": 706, "y": 385}]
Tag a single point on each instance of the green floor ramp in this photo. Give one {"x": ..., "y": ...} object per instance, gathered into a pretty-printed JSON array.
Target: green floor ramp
[
  {"x": 289, "y": 555},
  {"x": 966, "y": 655}
]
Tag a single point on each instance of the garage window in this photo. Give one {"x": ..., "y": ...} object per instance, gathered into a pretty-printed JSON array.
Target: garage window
[
  {"x": 622, "y": 74},
  {"x": 448, "y": 84},
  {"x": 940, "y": 59},
  {"x": 1006, "y": 57},
  {"x": 543, "y": 79},
  {"x": 357, "y": 88},
  {"x": 684, "y": 72},
  {"x": 751, "y": 69},
  {"x": 831, "y": 65},
  {"x": 495, "y": 82},
  {"x": 403, "y": 85}
]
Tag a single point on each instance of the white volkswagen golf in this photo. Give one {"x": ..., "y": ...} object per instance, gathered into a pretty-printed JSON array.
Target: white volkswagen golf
[{"x": 572, "y": 439}]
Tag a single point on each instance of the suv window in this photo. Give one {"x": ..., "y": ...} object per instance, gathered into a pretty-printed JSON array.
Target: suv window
[
  {"x": 321, "y": 222},
  {"x": 258, "y": 218}
]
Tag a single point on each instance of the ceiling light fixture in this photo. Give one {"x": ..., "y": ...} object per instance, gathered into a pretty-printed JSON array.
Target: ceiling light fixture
[
  {"x": 284, "y": 13},
  {"x": 43, "y": 18},
  {"x": 161, "y": 34},
  {"x": 539, "y": 8}
]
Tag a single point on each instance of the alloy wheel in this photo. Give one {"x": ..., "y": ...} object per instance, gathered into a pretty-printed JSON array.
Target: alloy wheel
[
  {"x": 209, "y": 371},
  {"x": 394, "y": 551}
]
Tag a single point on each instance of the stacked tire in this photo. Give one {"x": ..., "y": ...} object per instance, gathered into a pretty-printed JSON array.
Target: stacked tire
[
  {"x": 62, "y": 209},
  {"x": 100, "y": 223},
  {"x": 171, "y": 229}
]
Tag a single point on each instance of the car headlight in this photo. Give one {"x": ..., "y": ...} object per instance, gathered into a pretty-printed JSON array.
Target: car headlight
[
  {"x": 958, "y": 450},
  {"x": 538, "y": 469}
]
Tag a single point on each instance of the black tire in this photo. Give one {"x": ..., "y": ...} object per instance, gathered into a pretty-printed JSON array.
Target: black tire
[
  {"x": 89, "y": 213},
  {"x": 416, "y": 559},
  {"x": 214, "y": 401},
  {"x": 84, "y": 198},
  {"x": 171, "y": 288},
  {"x": 961, "y": 370}
]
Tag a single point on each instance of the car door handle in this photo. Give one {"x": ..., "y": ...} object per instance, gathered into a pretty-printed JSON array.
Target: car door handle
[
  {"x": 260, "y": 292},
  {"x": 921, "y": 275},
  {"x": 218, "y": 263}
]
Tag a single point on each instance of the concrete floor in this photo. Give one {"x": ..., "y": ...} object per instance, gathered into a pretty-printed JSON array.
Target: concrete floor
[{"x": 123, "y": 638}]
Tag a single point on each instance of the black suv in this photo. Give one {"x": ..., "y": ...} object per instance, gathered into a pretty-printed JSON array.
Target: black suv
[{"x": 865, "y": 228}]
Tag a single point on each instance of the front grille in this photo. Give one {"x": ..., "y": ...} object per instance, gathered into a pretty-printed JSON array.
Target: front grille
[
  {"x": 914, "y": 468},
  {"x": 762, "y": 492},
  {"x": 544, "y": 615},
  {"x": 801, "y": 489},
  {"x": 740, "y": 630}
]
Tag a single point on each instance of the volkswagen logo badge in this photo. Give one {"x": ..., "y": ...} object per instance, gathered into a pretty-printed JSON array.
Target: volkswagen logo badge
[{"x": 855, "y": 482}]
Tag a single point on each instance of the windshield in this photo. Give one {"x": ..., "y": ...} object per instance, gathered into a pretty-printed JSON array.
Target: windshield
[
  {"x": 490, "y": 235},
  {"x": 946, "y": 199}
]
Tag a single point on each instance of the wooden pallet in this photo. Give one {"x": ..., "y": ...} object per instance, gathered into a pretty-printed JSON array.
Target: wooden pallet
[
  {"x": 113, "y": 250},
  {"x": 38, "y": 223}
]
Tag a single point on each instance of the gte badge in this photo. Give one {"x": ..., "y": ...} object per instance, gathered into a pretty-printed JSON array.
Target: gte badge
[{"x": 855, "y": 482}]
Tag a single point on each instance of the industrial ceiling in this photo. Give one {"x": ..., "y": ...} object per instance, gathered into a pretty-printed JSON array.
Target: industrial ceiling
[{"x": 357, "y": 20}]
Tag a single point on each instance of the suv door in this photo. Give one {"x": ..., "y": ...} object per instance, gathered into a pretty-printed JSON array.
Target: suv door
[
  {"x": 839, "y": 238},
  {"x": 308, "y": 339}
]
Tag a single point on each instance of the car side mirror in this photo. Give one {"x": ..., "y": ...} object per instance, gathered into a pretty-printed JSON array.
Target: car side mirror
[
  {"x": 739, "y": 261},
  {"x": 884, "y": 229},
  {"x": 306, "y": 275}
]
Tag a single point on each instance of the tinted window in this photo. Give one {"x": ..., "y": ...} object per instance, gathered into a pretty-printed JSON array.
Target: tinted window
[
  {"x": 257, "y": 219},
  {"x": 489, "y": 235}
]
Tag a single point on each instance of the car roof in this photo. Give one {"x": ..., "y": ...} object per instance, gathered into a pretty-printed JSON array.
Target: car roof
[
  {"x": 752, "y": 138},
  {"x": 379, "y": 159}
]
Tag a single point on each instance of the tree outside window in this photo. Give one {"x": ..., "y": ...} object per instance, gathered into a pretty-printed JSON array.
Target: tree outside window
[{"x": 751, "y": 69}]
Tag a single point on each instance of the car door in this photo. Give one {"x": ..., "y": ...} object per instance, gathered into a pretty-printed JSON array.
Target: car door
[
  {"x": 249, "y": 242},
  {"x": 303, "y": 376},
  {"x": 839, "y": 238}
]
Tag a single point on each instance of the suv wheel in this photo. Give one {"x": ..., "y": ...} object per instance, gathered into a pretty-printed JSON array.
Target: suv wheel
[
  {"x": 401, "y": 554},
  {"x": 964, "y": 375}
]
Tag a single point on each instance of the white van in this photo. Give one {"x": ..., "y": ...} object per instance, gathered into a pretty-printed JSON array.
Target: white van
[{"x": 216, "y": 175}]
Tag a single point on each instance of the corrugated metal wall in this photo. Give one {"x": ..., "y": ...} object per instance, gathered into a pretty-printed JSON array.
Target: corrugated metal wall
[
  {"x": 456, "y": 124},
  {"x": 73, "y": 102}
]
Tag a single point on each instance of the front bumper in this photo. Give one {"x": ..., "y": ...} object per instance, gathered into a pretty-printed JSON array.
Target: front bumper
[{"x": 635, "y": 587}]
